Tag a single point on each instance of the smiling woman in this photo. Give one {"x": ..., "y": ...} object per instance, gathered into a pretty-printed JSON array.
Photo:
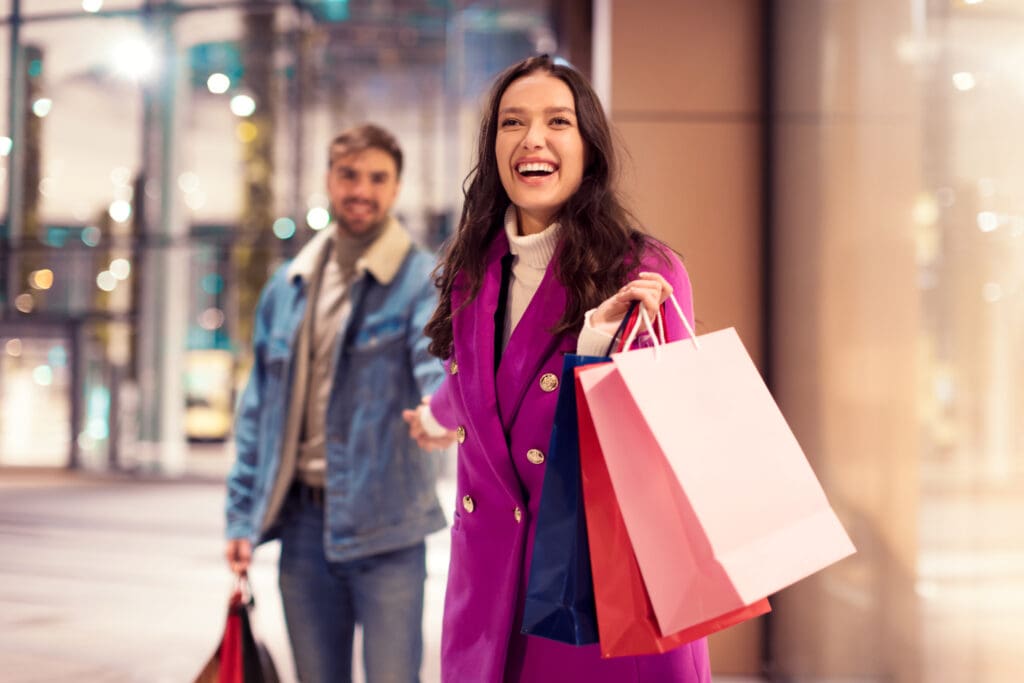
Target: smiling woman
[{"x": 544, "y": 261}]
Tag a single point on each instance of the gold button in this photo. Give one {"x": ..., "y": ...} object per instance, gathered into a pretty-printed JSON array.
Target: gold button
[
  {"x": 460, "y": 433},
  {"x": 548, "y": 382},
  {"x": 535, "y": 456},
  {"x": 454, "y": 367},
  {"x": 468, "y": 504},
  {"x": 518, "y": 515}
]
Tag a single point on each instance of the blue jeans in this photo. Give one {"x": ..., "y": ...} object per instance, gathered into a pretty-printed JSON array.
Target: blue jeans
[{"x": 324, "y": 600}]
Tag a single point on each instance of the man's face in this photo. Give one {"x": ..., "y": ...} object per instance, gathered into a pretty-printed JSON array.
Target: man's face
[{"x": 362, "y": 187}]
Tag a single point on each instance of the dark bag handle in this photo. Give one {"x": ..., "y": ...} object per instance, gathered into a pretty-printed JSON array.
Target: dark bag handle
[{"x": 622, "y": 326}]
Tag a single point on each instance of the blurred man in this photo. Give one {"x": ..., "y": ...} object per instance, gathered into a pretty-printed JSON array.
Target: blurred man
[{"x": 325, "y": 461}]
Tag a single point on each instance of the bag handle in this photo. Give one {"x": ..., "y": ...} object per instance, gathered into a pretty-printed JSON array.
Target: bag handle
[
  {"x": 618, "y": 336},
  {"x": 243, "y": 589},
  {"x": 657, "y": 340}
]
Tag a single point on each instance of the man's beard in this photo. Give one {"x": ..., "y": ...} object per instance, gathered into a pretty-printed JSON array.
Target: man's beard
[{"x": 371, "y": 229}]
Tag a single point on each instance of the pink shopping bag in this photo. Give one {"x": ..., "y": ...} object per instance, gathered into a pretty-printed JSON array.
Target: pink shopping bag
[
  {"x": 719, "y": 501},
  {"x": 625, "y": 620}
]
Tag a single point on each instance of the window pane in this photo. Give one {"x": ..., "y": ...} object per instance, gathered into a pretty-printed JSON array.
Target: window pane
[{"x": 82, "y": 148}]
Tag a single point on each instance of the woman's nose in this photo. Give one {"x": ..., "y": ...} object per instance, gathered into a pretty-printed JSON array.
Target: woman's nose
[{"x": 534, "y": 138}]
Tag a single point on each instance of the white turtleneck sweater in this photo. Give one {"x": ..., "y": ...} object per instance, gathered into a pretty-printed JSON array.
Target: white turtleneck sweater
[{"x": 532, "y": 254}]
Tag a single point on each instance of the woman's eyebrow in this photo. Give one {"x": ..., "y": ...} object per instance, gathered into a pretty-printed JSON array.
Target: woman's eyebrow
[{"x": 548, "y": 110}]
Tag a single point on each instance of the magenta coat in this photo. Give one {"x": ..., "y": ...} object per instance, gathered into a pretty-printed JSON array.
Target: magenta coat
[{"x": 499, "y": 490}]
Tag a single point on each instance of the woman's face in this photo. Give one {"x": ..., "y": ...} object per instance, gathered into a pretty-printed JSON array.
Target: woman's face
[{"x": 539, "y": 149}]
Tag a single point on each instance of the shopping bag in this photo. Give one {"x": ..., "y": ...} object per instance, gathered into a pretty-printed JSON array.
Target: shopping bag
[
  {"x": 559, "y": 595},
  {"x": 239, "y": 657},
  {"x": 719, "y": 501},
  {"x": 625, "y": 618},
  {"x": 559, "y": 602}
]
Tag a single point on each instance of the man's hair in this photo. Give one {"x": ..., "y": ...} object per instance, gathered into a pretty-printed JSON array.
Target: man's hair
[{"x": 361, "y": 138}]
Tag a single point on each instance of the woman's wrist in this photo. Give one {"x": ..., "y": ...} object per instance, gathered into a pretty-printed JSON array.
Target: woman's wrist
[
  {"x": 431, "y": 426},
  {"x": 594, "y": 319}
]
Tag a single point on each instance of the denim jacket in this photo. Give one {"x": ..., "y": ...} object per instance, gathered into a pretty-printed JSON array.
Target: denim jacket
[{"x": 380, "y": 487}]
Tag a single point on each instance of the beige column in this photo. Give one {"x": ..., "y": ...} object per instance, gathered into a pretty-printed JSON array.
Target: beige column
[
  {"x": 683, "y": 85},
  {"x": 844, "y": 335}
]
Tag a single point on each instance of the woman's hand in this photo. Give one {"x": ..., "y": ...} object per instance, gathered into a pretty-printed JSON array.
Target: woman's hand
[
  {"x": 428, "y": 440},
  {"x": 650, "y": 289}
]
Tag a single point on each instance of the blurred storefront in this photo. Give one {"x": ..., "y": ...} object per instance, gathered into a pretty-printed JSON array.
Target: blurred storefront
[
  {"x": 842, "y": 179},
  {"x": 161, "y": 157}
]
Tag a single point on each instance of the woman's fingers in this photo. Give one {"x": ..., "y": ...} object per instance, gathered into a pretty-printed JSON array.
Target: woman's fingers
[
  {"x": 650, "y": 289},
  {"x": 654, "y": 277}
]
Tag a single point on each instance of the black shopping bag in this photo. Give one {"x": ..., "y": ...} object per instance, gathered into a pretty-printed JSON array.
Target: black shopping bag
[{"x": 240, "y": 657}]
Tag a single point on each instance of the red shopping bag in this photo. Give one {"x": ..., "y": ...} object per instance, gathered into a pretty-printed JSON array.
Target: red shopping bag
[
  {"x": 625, "y": 617},
  {"x": 719, "y": 501},
  {"x": 239, "y": 657}
]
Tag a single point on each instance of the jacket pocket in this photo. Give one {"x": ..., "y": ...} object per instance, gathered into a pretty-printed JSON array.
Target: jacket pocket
[{"x": 378, "y": 335}]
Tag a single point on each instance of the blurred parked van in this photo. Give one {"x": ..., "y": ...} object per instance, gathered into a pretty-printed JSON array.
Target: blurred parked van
[{"x": 209, "y": 394}]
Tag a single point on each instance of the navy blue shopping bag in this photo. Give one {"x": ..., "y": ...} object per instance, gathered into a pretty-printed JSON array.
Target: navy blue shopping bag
[{"x": 560, "y": 591}]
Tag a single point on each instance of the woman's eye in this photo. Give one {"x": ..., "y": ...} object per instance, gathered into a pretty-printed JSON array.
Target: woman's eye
[
  {"x": 506, "y": 123},
  {"x": 560, "y": 121}
]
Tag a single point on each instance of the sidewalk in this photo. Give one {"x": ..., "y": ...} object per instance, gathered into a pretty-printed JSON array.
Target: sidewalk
[
  {"x": 117, "y": 579},
  {"x": 111, "y": 579}
]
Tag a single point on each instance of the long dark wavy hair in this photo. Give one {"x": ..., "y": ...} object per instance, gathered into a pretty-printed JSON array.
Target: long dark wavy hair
[{"x": 599, "y": 242}]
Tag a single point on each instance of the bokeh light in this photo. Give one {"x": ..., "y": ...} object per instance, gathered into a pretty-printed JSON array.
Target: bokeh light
[
  {"x": 243, "y": 105},
  {"x": 120, "y": 268},
  {"x": 106, "y": 281},
  {"x": 120, "y": 210},
  {"x": 246, "y": 131},
  {"x": 211, "y": 318},
  {"x": 987, "y": 221},
  {"x": 91, "y": 236},
  {"x": 24, "y": 302},
  {"x": 13, "y": 347},
  {"x": 41, "y": 279},
  {"x": 134, "y": 59},
  {"x": 964, "y": 81},
  {"x": 42, "y": 107},
  {"x": 218, "y": 83},
  {"x": 284, "y": 228},
  {"x": 43, "y": 375},
  {"x": 318, "y": 218}
]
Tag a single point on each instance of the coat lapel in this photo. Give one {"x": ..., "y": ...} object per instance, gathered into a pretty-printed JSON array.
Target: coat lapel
[
  {"x": 473, "y": 328},
  {"x": 530, "y": 345}
]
